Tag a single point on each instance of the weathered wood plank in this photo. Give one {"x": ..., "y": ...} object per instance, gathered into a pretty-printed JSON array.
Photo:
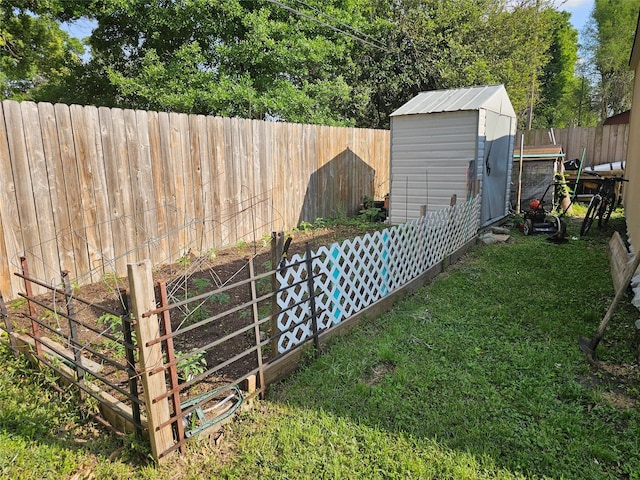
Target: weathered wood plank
[
  {"x": 161, "y": 241},
  {"x": 184, "y": 160},
  {"x": 325, "y": 173},
  {"x": 31, "y": 241},
  {"x": 258, "y": 168},
  {"x": 113, "y": 192},
  {"x": 195, "y": 166},
  {"x": 618, "y": 260},
  {"x": 55, "y": 174},
  {"x": 167, "y": 184},
  {"x": 145, "y": 189},
  {"x": 244, "y": 193},
  {"x": 178, "y": 180},
  {"x": 11, "y": 241},
  {"x": 603, "y": 144},
  {"x": 126, "y": 216},
  {"x": 99, "y": 186},
  {"x": 85, "y": 150},
  {"x": 72, "y": 189},
  {"x": 131, "y": 134},
  {"x": 280, "y": 166},
  {"x": 218, "y": 184},
  {"x": 621, "y": 151},
  {"x": 147, "y": 329},
  {"x": 207, "y": 191},
  {"x": 268, "y": 164},
  {"x": 232, "y": 205},
  {"x": 290, "y": 178},
  {"x": 41, "y": 191}
]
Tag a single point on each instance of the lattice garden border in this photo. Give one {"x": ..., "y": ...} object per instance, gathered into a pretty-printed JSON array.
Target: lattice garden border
[{"x": 353, "y": 274}]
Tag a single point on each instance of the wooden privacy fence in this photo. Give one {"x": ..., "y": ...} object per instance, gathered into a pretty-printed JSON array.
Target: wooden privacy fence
[
  {"x": 317, "y": 294},
  {"x": 604, "y": 144},
  {"x": 89, "y": 189}
]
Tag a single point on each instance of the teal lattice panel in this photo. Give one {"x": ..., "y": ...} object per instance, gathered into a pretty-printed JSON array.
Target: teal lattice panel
[{"x": 351, "y": 275}]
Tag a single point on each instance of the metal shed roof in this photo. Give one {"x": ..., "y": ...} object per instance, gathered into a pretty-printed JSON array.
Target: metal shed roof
[{"x": 488, "y": 97}]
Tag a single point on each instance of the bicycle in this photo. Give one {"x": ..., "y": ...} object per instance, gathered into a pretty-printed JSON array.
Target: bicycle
[{"x": 602, "y": 204}]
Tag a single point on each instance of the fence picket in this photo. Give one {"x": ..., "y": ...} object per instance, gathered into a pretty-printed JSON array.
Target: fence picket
[
  {"x": 99, "y": 186},
  {"x": 85, "y": 151},
  {"x": 161, "y": 242},
  {"x": 11, "y": 233},
  {"x": 17, "y": 134},
  {"x": 120, "y": 181}
]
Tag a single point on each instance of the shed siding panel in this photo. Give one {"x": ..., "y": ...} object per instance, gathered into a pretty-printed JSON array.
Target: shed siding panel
[{"x": 430, "y": 155}]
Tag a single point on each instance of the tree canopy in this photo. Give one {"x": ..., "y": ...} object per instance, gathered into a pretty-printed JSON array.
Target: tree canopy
[
  {"x": 34, "y": 51},
  {"x": 336, "y": 62},
  {"x": 610, "y": 39}
]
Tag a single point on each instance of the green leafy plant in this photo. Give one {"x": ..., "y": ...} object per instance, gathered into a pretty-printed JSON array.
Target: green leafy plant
[
  {"x": 111, "y": 280},
  {"x": 113, "y": 324},
  {"x": 190, "y": 364},
  {"x": 201, "y": 284},
  {"x": 220, "y": 297},
  {"x": 184, "y": 261},
  {"x": 561, "y": 190},
  {"x": 305, "y": 227}
]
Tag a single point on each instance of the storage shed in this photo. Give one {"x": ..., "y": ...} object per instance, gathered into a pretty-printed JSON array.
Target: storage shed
[{"x": 452, "y": 142}]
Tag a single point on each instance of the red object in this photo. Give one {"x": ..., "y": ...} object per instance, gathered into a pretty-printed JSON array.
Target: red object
[{"x": 534, "y": 204}]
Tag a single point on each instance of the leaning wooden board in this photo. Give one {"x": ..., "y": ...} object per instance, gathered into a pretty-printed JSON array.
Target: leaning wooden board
[{"x": 619, "y": 259}]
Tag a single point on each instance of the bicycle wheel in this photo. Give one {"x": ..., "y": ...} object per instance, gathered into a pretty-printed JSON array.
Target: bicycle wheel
[
  {"x": 591, "y": 214},
  {"x": 608, "y": 209}
]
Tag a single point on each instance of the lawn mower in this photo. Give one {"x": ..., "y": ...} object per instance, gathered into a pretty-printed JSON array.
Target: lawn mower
[{"x": 540, "y": 220}]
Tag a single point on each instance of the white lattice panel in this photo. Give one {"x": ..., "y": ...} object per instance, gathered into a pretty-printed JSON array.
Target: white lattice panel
[{"x": 350, "y": 276}]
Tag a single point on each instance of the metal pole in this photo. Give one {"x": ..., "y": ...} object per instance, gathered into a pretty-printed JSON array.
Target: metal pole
[
  {"x": 131, "y": 363},
  {"x": 520, "y": 174},
  {"x": 171, "y": 360},
  {"x": 73, "y": 329},
  {"x": 575, "y": 189},
  {"x": 32, "y": 309},
  {"x": 256, "y": 320}
]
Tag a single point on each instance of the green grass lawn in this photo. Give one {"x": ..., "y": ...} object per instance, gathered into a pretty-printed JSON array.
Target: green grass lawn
[{"x": 477, "y": 375}]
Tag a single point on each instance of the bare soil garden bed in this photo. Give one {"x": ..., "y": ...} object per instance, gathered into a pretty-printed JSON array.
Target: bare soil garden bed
[{"x": 189, "y": 276}]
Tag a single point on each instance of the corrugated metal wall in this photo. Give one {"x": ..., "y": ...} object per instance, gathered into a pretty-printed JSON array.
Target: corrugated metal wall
[{"x": 430, "y": 157}]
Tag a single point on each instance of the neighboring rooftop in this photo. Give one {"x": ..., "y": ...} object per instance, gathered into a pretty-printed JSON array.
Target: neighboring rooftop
[{"x": 539, "y": 152}]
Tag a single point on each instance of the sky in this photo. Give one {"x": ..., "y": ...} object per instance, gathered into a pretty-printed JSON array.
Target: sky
[{"x": 580, "y": 11}]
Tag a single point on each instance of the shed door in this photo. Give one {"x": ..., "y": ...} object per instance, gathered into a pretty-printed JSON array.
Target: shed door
[{"x": 495, "y": 168}]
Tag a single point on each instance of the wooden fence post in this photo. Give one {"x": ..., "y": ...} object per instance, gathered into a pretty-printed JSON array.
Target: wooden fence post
[{"x": 148, "y": 328}]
